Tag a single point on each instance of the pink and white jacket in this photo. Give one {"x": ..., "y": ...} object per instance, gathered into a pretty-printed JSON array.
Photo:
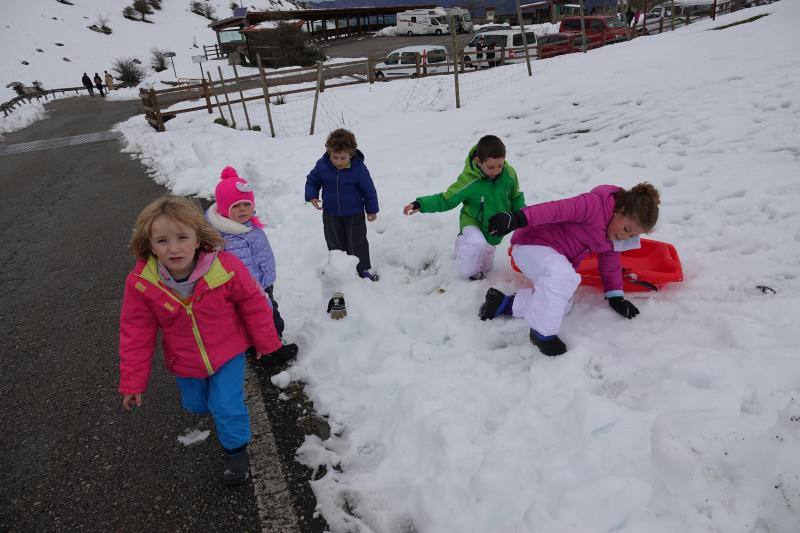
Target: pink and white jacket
[
  {"x": 574, "y": 227},
  {"x": 226, "y": 314}
]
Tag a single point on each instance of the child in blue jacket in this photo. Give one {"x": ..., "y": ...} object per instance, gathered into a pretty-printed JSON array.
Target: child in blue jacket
[
  {"x": 233, "y": 215},
  {"x": 347, "y": 193}
]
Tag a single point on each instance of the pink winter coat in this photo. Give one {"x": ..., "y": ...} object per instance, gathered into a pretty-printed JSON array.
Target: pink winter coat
[
  {"x": 574, "y": 227},
  {"x": 226, "y": 314}
]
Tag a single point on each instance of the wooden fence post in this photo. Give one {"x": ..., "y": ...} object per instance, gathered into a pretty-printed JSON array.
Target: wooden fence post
[
  {"x": 455, "y": 60},
  {"x": 241, "y": 96},
  {"x": 316, "y": 96},
  {"x": 672, "y": 15},
  {"x": 227, "y": 100},
  {"x": 214, "y": 93},
  {"x": 416, "y": 61},
  {"x": 208, "y": 98},
  {"x": 370, "y": 72},
  {"x": 266, "y": 94},
  {"x": 157, "y": 110},
  {"x": 524, "y": 39}
]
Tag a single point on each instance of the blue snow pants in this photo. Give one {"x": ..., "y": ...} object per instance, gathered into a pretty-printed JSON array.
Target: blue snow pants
[{"x": 221, "y": 395}]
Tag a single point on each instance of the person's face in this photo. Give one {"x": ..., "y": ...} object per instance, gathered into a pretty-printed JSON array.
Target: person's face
[
  {"x": 623, "y": 227},
  {"x": 174, "y": 244},
  {"x": 242, "y": 212},
  {"x": 492, "y": 166},
  {"x": 340, "y": 159}
]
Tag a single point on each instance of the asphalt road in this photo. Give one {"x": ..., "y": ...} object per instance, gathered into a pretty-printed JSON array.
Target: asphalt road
[{"x": 71, "y": 459}]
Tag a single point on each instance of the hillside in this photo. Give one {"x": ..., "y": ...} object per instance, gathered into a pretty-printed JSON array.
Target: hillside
[{"x": 54, "y": 40}]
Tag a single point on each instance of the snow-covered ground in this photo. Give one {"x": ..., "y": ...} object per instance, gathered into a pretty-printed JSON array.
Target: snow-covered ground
[{"x": 685, "y": 419}]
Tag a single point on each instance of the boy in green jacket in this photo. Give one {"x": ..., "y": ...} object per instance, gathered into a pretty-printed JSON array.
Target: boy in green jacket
[{"x": 488, "y": 185}]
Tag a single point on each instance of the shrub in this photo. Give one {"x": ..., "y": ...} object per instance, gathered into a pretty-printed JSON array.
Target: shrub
[
  {"x": 204, "y": 9},
  {"x": 256, "y": 128},
  {"x": 285, "y": 46},
  {"x": 158, "y": 59},
  {"x": 101, "y": 21},
  {"x": 155, "y": 4},
  {"x": 142, "y": 7},
  {"x": 129, "y": 13},
  {"x": 221, "y": 121},
  {"x": 128, "y": 72}
]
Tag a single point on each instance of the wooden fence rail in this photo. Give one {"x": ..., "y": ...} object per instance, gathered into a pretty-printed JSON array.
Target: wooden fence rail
[{"x": 8, "y": 107}]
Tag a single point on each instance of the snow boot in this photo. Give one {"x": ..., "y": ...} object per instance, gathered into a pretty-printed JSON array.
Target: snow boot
[
  {"x": 236, "y": 467},
  {"x": 549, "y": 345},
  {"x": 495, "y": 304},
  {"x": 285, "y": 353},
  {"x": 336, "y": 306}
]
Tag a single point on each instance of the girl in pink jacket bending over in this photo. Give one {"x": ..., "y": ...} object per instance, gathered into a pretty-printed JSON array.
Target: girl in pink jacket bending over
[
  {"x": 549, "y": 242},
  {"x": 209, "y": 310}
]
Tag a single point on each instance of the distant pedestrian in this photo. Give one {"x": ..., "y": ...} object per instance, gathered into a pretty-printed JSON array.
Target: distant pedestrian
[
  {"x": 88, "y": 84},
  {"x": 629, "y": 15},
  {"x": 109, "y": 81},
  {"x": 99, "y": 83},
  {"x": 209, "y": 309}
]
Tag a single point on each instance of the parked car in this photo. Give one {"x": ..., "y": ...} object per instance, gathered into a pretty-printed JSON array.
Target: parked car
[
  {"x": 492, "y": 27},
  {"x": 508, "y": 41},
  {"x": 557, "y": 44},
  {"x": 432, "y": 60},
  {"x": 600, "y": 29}
]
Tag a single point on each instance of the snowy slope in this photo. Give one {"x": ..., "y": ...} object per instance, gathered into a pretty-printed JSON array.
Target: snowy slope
[
  {"x": 31, "y": 24},
  {"x": 685, "y": 419}
]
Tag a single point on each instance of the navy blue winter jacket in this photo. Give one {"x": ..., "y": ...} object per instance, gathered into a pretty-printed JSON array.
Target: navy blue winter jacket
[{"x": 345, "y": 192}]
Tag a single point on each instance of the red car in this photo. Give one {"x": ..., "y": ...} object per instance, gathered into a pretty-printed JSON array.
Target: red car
[
  {"x": 565, "y": 42},
  {"x": 600, "y": 29}
]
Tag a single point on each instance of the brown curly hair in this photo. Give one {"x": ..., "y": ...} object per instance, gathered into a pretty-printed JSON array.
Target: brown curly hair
[
  {"x": 640, "y": 203},
  {"x": 341, "y": 140},
  {"x": 181, "y": 210}
]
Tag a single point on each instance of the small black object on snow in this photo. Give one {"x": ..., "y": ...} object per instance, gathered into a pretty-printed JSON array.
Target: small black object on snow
[{"x": 765, "y": 289}]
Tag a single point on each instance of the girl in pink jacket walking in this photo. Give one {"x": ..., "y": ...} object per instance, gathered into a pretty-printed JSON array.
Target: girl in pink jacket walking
[
  {"x": 209, "y": 310},
  {"x": 549, "y": 242}
]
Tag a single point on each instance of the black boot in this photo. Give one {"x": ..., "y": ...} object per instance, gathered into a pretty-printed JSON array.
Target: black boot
[
  {"x": 285, "y": 353},
  {"x": 495, "y": 304},
  {"x": 550, "y": 346},
  {"x": 236, "y": 468}
]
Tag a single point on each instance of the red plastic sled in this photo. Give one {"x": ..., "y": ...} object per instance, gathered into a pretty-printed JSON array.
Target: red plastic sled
[{"x": 648, "y": 268}]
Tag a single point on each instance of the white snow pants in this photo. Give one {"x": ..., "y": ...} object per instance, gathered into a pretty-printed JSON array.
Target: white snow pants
[
  {"x": 473, "y": 253},
  {"x": 554, "y": 282}
]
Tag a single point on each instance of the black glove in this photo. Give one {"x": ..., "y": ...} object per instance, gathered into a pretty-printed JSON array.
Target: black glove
[
  {"x": 503, "y": 223},
  {"x": 417, "y": 205},
  {"x": 623, "y": 306}
]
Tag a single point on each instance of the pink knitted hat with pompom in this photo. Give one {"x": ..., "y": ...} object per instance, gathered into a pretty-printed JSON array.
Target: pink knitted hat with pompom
[{"x": 232, "y": 190}]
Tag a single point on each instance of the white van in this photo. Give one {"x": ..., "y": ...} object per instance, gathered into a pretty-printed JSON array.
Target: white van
[
  {"x": 432, "y": 60},
  {"x": 423, "y": 22},
  {"x": 510, "y": 40},
  {"x": 463, "y": 19}
]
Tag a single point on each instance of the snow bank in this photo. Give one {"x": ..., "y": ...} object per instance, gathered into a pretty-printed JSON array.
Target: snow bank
[{"x": 685, "y": 419}]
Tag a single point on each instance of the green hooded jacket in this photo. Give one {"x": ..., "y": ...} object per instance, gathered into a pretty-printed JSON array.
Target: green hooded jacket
[{"x": 482, "y": 196}]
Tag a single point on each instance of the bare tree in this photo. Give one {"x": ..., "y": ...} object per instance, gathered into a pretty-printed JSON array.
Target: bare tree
[
  {"x": 142, "y": 7},
  {"x": 101, "y": 21}
]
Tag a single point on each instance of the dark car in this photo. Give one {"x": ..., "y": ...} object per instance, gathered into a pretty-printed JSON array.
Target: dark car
[
  {"x": 600, "y": 29},
  {"x": 566, "y": 42}
]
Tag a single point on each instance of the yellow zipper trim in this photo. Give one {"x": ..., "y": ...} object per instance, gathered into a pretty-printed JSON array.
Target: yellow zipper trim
[{"x": 199, "y": 341}]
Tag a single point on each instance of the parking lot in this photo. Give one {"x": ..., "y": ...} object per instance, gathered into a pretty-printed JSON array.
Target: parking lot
[{"x": 378, "y": 47}]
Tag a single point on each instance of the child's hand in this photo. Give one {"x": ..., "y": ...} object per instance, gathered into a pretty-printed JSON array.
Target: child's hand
[
  {"x": 411, "y": 208},
  {"x": 129, "y": 400},
  {"x": 316, "y": 203},
  {"x": 372, "y": 216}
]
